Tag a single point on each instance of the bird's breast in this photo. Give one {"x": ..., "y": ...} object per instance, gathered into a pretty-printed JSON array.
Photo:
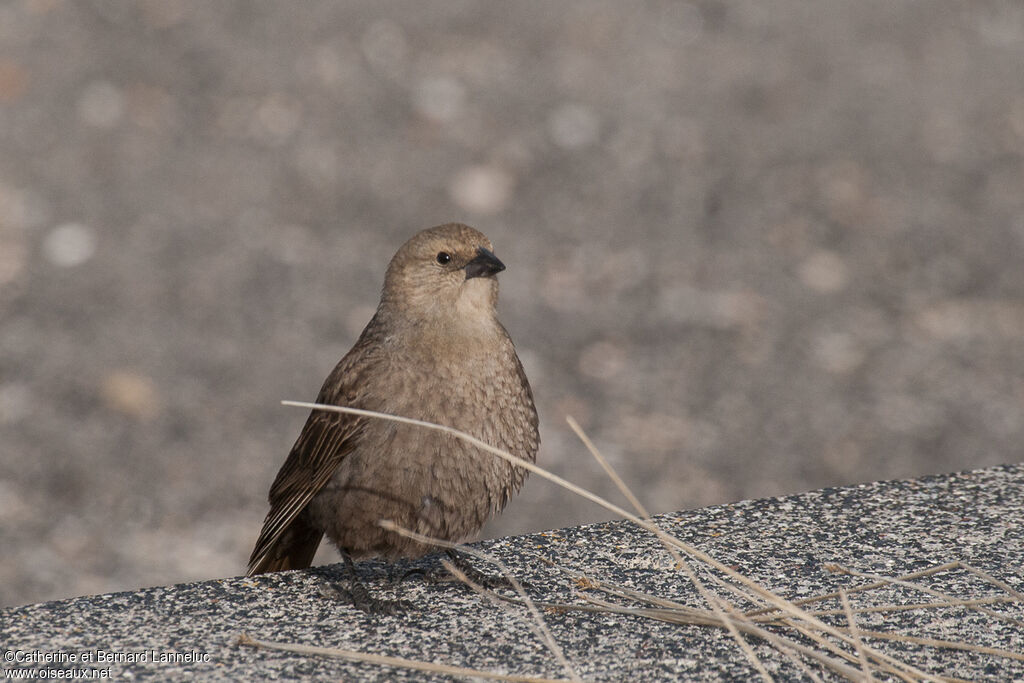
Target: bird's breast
[{"x": 429, "y": 480}]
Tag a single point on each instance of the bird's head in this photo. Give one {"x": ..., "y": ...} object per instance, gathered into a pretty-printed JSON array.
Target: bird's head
[{"x": 444, "y": 272}]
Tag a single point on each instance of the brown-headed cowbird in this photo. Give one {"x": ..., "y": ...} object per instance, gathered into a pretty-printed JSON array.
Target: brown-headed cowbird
[{"x": 434, "y": 351}]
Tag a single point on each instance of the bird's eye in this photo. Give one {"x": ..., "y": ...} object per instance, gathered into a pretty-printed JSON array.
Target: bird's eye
[{"x": 443, "y": 257}]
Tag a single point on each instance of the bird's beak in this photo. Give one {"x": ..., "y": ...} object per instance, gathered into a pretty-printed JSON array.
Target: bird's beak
[{"x": 485, "y": 264}]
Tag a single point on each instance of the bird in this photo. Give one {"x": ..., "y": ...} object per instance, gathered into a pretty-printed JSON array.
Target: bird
[{"x": 434, "y": 350}]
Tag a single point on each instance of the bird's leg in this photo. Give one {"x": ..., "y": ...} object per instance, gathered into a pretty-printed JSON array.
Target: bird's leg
[{"x": 360, "y": 596}]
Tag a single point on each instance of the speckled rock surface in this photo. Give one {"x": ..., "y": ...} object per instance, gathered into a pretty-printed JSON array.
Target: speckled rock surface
[{"x": 887, "y": 528}]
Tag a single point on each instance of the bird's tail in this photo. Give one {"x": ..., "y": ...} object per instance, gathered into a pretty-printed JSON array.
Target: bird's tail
[{"x": 291, "y": 548}]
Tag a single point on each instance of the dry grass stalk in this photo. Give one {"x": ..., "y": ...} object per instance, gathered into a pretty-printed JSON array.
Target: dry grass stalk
[
  {"x": 949, "y": 600},
  {"x": 946, "y": 644},
  {"x": 992, "y": 580},
  {"x": 780, "y": 642},
  {"x": 995, "y": 599},
  {"x": 860, "y": 589},
  {"x": 383, "y": 660},
  {"x": 865, "y": 667}
]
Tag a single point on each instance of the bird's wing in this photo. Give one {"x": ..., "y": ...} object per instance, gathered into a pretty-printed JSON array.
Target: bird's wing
[{"x": 324, "y": 442}]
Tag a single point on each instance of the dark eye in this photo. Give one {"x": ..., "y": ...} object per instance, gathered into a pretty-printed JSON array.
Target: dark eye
[{"x": 443, "y": 257}]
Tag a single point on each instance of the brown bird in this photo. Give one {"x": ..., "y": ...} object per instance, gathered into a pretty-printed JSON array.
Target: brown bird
[{"x": 435, "y": 351}]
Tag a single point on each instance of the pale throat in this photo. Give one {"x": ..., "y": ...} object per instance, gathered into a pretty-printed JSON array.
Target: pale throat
[
  {"x": 465, "y": 324},
  {"x": 477, "y": 300}
]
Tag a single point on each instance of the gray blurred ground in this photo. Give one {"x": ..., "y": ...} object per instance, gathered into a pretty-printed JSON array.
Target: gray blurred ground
[{"x": 753, "y": 247}]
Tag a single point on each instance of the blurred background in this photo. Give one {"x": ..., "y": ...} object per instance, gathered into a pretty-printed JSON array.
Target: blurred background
[{"x": 753, "y": 247}]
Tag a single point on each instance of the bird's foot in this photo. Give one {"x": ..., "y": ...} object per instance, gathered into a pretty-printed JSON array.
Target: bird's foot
[
  {"x": 360, "y": 597},
  {"x": 480, "y": 578}
]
